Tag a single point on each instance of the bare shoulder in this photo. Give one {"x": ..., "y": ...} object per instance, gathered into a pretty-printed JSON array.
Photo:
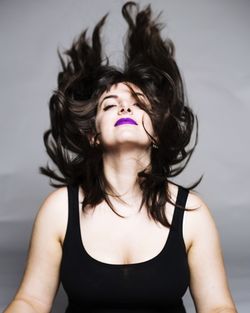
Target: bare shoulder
[
  {"x": 55, "y": 209},
  {"x": 199, "y": 209},
  {"x": 201, "y": 215},
  {"x": 199, "y": 220},
  {"x": 200, "y": 223},
  {"x": 56, "y": 197},
  {"x": 194, "y": 200}
]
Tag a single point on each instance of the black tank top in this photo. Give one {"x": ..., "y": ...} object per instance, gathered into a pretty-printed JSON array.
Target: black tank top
[{"x": 155, "y": 285}]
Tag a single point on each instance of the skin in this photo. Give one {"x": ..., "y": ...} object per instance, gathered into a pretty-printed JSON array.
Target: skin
[
  {"x": 127, "y": 151},
  {"x": 127, "y": 147}
]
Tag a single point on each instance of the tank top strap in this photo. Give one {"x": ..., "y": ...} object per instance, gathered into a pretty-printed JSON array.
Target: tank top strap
[
  {"x": 181, "y": 200},
  {"x": 73, "y": 214}
]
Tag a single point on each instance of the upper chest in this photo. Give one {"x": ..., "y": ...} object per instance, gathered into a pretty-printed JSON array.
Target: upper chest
[{"x": 109, "y": 238}]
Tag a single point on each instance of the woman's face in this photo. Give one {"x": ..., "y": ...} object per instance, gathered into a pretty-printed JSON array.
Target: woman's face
[{"x": 119, "y": 119}]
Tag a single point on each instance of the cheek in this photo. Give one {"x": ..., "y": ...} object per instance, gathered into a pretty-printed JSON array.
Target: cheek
[
  {"x": 98, "y": 122},
  {"x": 147, "y": 123},
  {"x": 102, "y": 123}
]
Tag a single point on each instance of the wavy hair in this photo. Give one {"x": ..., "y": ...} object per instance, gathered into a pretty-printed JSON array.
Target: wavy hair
[{"x": 149, "y": 63}]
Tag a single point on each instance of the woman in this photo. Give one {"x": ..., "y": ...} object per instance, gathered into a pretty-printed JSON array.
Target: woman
[{"x": 117, "y": 233}]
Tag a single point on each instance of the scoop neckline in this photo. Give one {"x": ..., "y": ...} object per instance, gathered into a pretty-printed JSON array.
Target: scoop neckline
[{"x": 98, "y": 262}]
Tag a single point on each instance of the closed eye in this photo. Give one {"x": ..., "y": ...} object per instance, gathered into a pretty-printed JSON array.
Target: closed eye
[
  {"x": 112, "y": 105},
  {"x": 108, "y": 106}
]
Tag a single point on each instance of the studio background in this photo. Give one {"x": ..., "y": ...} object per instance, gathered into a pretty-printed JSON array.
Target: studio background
[{"x": 212, "y": 51}]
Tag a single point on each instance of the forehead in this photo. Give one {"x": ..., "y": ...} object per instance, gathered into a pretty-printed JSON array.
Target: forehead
[{"x": 121, "y": 89}]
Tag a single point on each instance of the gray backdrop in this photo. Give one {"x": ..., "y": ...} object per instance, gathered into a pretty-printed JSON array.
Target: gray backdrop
[{"x": 212, "y": 50}]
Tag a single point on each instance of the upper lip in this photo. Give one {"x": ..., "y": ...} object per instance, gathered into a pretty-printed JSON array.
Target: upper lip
[{"x": 125, "y": 120}]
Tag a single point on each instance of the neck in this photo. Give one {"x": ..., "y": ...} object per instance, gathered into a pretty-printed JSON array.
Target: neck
[{"x": 121, "y": 169}]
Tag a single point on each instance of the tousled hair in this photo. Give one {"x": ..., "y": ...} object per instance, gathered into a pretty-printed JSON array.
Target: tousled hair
[{"x": 149, "y": 63}]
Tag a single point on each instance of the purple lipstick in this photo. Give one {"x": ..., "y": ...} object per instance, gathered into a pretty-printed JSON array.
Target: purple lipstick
[{"x": 123, "y": 121}]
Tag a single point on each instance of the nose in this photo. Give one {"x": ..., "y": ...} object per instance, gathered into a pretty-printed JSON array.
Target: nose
[{"x": 123, "y": 109}]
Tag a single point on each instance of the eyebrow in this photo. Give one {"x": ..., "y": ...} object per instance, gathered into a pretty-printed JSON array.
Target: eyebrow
[{"x": 116, "y": 97}]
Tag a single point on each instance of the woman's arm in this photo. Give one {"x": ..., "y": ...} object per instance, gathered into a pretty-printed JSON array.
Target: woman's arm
[
  {"x": 208, "y": 282},
  {"x": 41, "y": 278}
]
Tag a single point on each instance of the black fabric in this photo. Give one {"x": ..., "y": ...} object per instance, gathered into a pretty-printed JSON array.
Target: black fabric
[{"x": 155, "y": 285}]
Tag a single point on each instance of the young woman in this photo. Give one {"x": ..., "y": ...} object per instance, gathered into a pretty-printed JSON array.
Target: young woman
[{"x": 117, "y": 233}]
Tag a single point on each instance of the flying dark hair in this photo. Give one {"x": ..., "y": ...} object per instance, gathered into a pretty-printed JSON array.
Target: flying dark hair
[{"x": 149, "y": 63}]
